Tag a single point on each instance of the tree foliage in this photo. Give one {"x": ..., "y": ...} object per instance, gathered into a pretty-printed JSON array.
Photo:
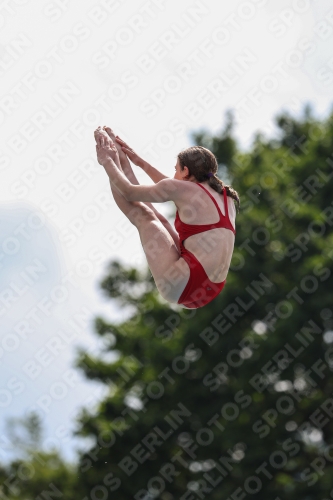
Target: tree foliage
[
  {"x": 234, "y": 399},
  {"x": 34, "y": 474}
]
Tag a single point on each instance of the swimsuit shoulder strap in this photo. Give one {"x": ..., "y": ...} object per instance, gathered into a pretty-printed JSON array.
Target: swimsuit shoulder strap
[
  {"x": 225, "y": 197},
  {"x": 212, "y": 197},
  {"x": 225, "y": 217}
]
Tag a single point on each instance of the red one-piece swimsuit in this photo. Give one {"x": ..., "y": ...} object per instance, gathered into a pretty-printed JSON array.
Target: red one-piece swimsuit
[{"x": 199, "y": 290}]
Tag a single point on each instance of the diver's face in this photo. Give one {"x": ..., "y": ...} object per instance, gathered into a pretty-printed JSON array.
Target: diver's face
[{"x": 180, "y": 174}]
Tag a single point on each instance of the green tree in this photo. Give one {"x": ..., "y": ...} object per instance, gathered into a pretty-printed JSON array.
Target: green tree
[
  {"x": 34, "y": 474},
  {"x": 233, "y": 399}
]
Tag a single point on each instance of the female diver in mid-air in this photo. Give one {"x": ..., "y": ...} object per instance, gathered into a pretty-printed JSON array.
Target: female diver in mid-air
[{"x": 191, "y": 275}]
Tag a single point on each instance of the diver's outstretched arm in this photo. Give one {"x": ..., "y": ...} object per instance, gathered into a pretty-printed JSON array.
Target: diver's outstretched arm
[
  {"x": 151, "y": 171},
  {"x": 127, "y": 169}
]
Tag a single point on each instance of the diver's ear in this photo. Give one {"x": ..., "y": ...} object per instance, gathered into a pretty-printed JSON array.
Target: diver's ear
[{"x": 185, "y": 172}]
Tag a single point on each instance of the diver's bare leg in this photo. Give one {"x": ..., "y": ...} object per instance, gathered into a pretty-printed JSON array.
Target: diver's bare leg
[{"x": 128, "y": 171}]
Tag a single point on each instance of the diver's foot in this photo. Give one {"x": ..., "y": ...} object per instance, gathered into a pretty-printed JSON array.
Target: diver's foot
[
  {"x": 112, "y": 135},
  {"x": 103, "y": 139}
]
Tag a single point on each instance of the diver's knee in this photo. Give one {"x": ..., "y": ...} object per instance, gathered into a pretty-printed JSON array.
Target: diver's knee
[{"x": 141, "y": 213}]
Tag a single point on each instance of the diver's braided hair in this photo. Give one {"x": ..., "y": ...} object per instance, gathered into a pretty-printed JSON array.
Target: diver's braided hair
[{"x": 202, "y": 164}]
